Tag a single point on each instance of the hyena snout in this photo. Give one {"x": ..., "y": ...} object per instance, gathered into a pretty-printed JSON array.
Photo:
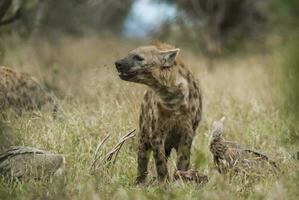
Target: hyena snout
[
  {"x": 124, "y": 68},
  {"x": 122, "y": 65}
]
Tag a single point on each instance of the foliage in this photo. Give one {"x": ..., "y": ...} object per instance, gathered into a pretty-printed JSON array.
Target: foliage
[
  {"x": 290, "y": 73},
  {"x": 71, "y": 17}
]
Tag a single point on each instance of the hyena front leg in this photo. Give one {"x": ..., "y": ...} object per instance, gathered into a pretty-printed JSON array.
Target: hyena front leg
[
  {"x": 184, "y": 150},
  {"x": 143, "y": 158},
  {"x": 160, "y": 158}
]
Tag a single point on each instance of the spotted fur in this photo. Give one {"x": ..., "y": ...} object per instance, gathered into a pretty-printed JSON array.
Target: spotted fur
[
  {"x": 171, "y": 107},
  {"x": 230, "y": 157},
  {"x": 20, "y": 91}
]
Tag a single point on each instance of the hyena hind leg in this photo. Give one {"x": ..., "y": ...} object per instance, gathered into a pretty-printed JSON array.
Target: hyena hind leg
[
  {"x": 184, "y": 151},
  {"x": 143, "y": 158}
]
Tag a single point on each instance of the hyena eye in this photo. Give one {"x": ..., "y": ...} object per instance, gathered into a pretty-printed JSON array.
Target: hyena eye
[{"x": 138, "y": 58}]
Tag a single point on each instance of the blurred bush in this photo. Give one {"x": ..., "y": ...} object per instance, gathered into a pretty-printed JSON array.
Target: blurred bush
[
  {"x": 78, "y": 16},
  {"x": 287, "y": 10},
  {"x": 71, "y": 17},
  {"x": 290, "y": 74},
  {"x": 216, "y": 24}
]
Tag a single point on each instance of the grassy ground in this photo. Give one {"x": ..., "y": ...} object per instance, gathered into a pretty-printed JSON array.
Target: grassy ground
[{"x": 96, "y": 102}]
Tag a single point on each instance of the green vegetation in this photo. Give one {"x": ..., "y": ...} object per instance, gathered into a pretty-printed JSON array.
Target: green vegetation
[
  {"x": 96, "y": 102},
  {"x": 71, "y": 47},
  {"x": 290, "y": 72}
]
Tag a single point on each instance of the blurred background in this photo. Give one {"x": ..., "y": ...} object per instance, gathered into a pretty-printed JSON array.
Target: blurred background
[{"x": 213, "y": 26}]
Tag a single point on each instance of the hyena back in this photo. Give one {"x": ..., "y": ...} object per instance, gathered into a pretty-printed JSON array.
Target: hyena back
[
  {"x": 20, "y": 91},
  {"x": 171, "y": 107}
]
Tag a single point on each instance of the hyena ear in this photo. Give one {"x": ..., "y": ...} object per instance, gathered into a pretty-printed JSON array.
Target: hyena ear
[{"x": 168, "y": 57}]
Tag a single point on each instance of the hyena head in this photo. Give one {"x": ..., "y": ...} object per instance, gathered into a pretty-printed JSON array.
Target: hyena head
[
  {"x": 217, "y": 129},
  {"x": 142, "y": 65}
]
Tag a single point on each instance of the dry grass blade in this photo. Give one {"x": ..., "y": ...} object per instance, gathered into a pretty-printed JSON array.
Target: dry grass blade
[
  {"x": 128, "y": 136},
  {"x": 96, "y": 157},
  {"x": 115, "y": 150}
]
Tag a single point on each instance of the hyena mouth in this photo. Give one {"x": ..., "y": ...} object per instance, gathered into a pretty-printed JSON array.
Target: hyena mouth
[{"x": 127, "y": 75}]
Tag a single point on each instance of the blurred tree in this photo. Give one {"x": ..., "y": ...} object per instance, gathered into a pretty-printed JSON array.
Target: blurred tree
[
  {"x": 77, "y": 16},
  {"x": 215, "y": 21},
  {"x": 71, "y": 16},
  {"x": 5, "y": 6}
]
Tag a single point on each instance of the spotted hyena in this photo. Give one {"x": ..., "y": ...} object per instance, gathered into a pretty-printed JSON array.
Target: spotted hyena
[
  {"x": 171, "y": 107},
  {"x": 20, "y": 91}
]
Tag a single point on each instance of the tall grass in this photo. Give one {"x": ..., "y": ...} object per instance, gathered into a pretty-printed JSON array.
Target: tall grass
[
  {"x": 287, "y": 84},
  {"x": 95, "y": 102},
  {"x": 290, "y": 72}
]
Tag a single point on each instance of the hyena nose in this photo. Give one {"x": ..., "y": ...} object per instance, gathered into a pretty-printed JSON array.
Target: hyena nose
[{"x": 118, "y": 65}]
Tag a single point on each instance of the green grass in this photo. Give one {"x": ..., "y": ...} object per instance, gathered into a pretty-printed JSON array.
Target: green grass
[{"x": 95, "y": 102}]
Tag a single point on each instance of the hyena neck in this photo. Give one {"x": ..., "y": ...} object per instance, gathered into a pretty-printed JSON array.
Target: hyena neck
[{"x": 171, "y": 87}]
